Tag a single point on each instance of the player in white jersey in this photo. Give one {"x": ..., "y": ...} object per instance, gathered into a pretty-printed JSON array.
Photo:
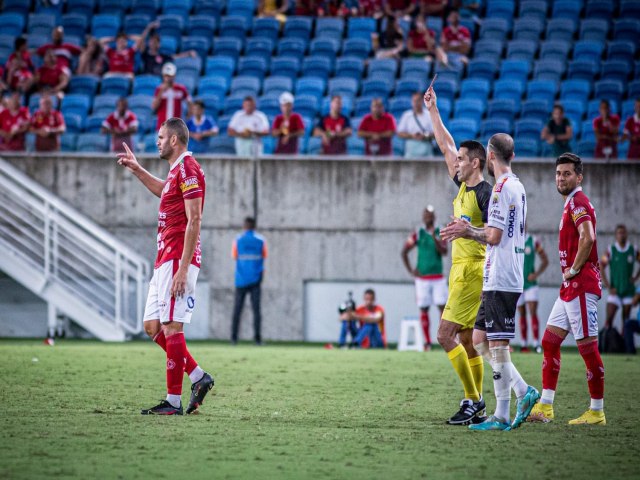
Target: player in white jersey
[{"x": 504, "y": 236}]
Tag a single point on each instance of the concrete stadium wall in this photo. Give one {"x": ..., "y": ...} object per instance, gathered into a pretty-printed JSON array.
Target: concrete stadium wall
[{"x": 324, "y": 219}]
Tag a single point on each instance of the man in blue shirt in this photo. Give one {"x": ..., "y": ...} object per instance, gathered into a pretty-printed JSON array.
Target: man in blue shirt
[
  {"x": 249, "y": 251},
  {"x": 201, "y": 128}
]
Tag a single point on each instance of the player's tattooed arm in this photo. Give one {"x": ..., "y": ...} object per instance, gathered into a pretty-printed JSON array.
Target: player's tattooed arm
[{"x": 461, "y": 228}]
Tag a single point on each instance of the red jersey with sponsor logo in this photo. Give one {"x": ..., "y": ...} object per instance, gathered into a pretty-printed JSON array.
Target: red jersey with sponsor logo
[
  {"x": 293, "y": 124},
  {"x": 171, "y": 102},
  {"x": 51, "y": 119},
  {"x": 63, "y": 52},
  {"x": 384, "y": 123},
  {"x": 121, "y": 61},
  {"x": 18, "y": 76},
  {"x": 11, "y": 122},
  {"x": 632, "y": 128},
  {"x": 578, "y": 209},
  {"x": 26, "y": 58},
  {"x": 184, "y": 182},
  {"x": 456, "y": 37},
  {"x": 50, "y": 76},
  {"x": 120, "y": 123},
  {"x": 336, "y": 145}
]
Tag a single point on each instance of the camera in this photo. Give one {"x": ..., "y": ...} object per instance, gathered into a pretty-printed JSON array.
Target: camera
[{"x": 347, "y": 306}]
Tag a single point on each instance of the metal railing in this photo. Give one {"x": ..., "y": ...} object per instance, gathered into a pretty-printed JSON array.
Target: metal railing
[{"x": 66, "y": 248}]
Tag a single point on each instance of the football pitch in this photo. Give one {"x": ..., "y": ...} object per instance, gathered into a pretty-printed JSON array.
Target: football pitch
[{"x": 72, "y": 411}]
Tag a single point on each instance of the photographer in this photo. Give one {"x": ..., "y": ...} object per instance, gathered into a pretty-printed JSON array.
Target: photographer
[{"x": 349, "y": 325}]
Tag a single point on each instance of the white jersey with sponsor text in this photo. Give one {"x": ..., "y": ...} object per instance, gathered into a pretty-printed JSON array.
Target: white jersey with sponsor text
[{"x": 507, "y": 211}]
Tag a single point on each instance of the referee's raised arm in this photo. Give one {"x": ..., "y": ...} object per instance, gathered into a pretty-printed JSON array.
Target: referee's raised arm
[{"x": 445, "y": 141}]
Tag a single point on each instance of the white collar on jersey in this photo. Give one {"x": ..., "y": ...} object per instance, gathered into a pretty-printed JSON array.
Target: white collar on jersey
[
  {"x": 570, "y": 196},
  {"x": 179, "y": 159}
]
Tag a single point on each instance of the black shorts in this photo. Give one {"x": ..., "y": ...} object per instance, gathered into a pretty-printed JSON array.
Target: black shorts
[{"x": 497, "y": 315}]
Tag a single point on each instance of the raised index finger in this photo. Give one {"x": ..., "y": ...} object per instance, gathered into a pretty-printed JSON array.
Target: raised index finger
[{"x": 126, "y": 147}]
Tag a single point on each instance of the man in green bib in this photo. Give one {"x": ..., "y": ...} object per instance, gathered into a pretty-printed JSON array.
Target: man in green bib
[{"x": 621, "y": 258}]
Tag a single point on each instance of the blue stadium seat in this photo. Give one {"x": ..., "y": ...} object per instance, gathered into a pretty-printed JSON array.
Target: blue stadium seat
[
  {"x": 116, "y": 85},
  {"x": 94, "y": 123},
  {"x": 594, "y": 30},
  {"x": 503, "y": 108},
  {"x": 405, "y": 87},
  {"x": 277, "y": 84},
  {"x": 551, "y": 70},
  {"x": 347, "y": 106},
  {"x": 81, "y": 7},
  {"x": 104, "y": 25},
  {"x": 522, "y": 50},
  {"x": 485, "y": 69},
  {"x": 211, "y": 8},
  {"x": 269, "y": 105},
  {"x": 530, "y": 128},
  {"x": 171, "y": 26},
  {"x": 329, "y": 27},
  {"x": 473, "y": 108},
  {"x": 588, "y": 51},
  {"x": 446, "y": 87},
  {"x": 146, "y": 7},
  {"x": 105, "y": 104},
  {"x": 292, "y": 47},
  {"x": 259, "y": 47},
  {"x": 491, "y": 126},
  {"x": 135, "y": 24},
  {"x": 633, "y": 89},
  {"x": 306, "y": 105},
  {"x": 188, "y": 79},
  {"x": 212, "y": 104},
  {"x": 35, "y": 41},
  {"x": 488, "y": 49},
  {"x": 599, "y": 9},
  {"x": 68, "y": 142},
  {"x": 544, "y": 89},
  {"x": 627, "y": 109},
  {"x": 201, "y": 45},
  {"x": 629, "y": 9},
  {"x": 501, "y": 9},
  {"x": 233, "y": 26},
  {"x": 569, "y": 9},
  {"x": 445, "y": 106},
  {"x": 253, "y": 67},
  {"x": 310, "y": 86},
  {"x": 150, "y": 145},
  {"x": 377, "y": 87},
  {"x": 527, "y": 147},
  {"x": 86, "y": 84},
  {"x": 609, "y": 89},
  {"x": 266, "y": 28},
  {"x": 314, "y": 146},
  {"x": 399, "y": 105},
  {"x": 533, "y": 8},
  {"x": 145, "y": 84},
  {"x": 73, "y": 122},
  {"x": 363, "y": 105},
  {"x": 558, "y": 51},
  {"x": 616, "y": 70},
  {"x": 325, "y": 46},
  {"x": 343, "y": 86},
  {"x": 515, "y": 70},
  {"x": 220, "y": 65},
  {"x": 349, "y": 67},
  {"x": 528, "y": 28},
  {"x": 621, "y": 51},
  {"x": 34, "y": 102},
  {"x": 114, "y": 7},
  {"x": 244, "y": 8},
  {"x": 41, "y": 23},
  {"x": 355, "y": 145},
  {"x": 11, "y": 24},
  {"x": 360, "y": 27},
  {"x": 509, "y": 89},
  {"x": 385, "y": 67},
  {"x": 627, "y": 30},
  {"x": 139, "y": 104},
  {"x": 356, "y": 47},
  {"x": 214, "y": 84},
  {"x": 177, "y": 7},
  {"x": 587, "y": 128},
  {"x": 494, "y": 29},
  {"x": 463, "y": 129},
  {"x": 574, "y": 110},
  {"x": 477, "y": 88},
  {"x": 561, "y": 29},
  {"x": 289, "y": 67},
  {"x": 16, "y": 6},
  {"x": 298, "y": 27},
  {"x": 7, "y": 41},
  {"x": 228, "y": 47},
  {"x": 317, "y": 66},
  {"x": 92, "y": 142},
  {"x": 397, "y": 145},
  {"x": 575, "y": 90},
  {"x": 201, "y": 26},
  {"x": 222, "y": 145},
  {"x": 583, "y": 70},
  {"x": 535, "y": 109},
  {"x": 415, "y": 68},
  {"x": 76, "y": 103},
  {"x": 233, "y": 103},
  {"x": 189, "y": 64},
  {"x": 586, "y": 148}
]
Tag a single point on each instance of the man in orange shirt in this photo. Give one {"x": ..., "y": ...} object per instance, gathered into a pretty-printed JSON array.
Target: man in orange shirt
[{"x": 371, "y": 318}]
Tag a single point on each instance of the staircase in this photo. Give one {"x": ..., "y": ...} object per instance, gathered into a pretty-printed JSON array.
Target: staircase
[{"x": 81, "y": 270}]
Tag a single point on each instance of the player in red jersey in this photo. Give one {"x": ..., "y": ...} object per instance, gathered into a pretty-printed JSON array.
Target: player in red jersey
[
  {"x": 576, "y": 309},
  {"x": 172, "y": 289}
]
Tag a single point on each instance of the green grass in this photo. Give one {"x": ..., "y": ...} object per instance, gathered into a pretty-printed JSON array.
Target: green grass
[{"x": 292, "y": 412}]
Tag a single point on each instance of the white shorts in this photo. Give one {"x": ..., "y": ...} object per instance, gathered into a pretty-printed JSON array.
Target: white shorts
[
  {"x": 432, "y": 291},
  {"x": 615, "y": 299},
  {"x": 578, "y": 316},
  {"x": 161, "y": 305},
  {"x": 531, "y": 294}
]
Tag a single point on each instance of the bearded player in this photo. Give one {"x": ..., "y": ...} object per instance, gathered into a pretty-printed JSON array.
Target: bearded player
[
  {"x": 172, "y": 289},
  {"x": 576, "y": 309}
]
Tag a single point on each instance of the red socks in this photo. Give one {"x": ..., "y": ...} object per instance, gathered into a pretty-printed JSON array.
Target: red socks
[
  {"x": 535, "y": 326},
  {"x": 176, "y": 352},
  {"x": 424, "y": 319},
  {"x": 595, "y": 369},
  {"x": 190, "y": 364},
  {"x": 523, "y": 329},
  {"x": 551, "y": 363}
]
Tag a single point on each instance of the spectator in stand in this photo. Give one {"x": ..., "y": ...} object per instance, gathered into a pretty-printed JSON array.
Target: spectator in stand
[
  {"x": 372, "y": 8},
  {"x": 400, "y": 8},
  {"x": 606, "y": 128},
  {"x": 51, "y": 77},
  {"x": 248, "y": 126},
  {"x": 19, "y": 75},
  {"x": 274, "y": 8},
  {"x": 20, "y": 50},
  {"x": 631, "y": 132},
  {"x": 152, "y": 59},
  {"x": 304, "y": 7},
  {"x": 422, "y": 43},
  {"x": 455, "y": 40},
  {"x": 288, "y": 126},
  {"x": 92, "y": 60},
  {"x": 377, "y": 128},
  {"x": 558, "y": 132},
  {"x": 48, "y": 125},
  {"x": 390, "y": 43},
  {"x": 416, "y": 128},
  {"x": 14, "y": 123},
  {"x": 201, "y": 128},
  {"x": 469, "y": 9},
  {"x": 334, "y": 129},
  {"x": 63, "y": 51},
  {"x": 432, "y": 8},
  {"x": 169, "y": 95},
  {"x": 122, "y": 58},
  {"x": 336, "y": 8},
  {"x": 121, "y": 125}
]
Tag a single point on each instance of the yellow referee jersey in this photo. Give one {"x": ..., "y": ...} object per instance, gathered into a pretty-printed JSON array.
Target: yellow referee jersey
[{"x": 472, "y": 204}]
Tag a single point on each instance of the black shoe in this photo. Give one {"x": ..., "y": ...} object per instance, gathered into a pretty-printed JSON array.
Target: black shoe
[
  {"x": 468, "y": 411},
  {"x": 163, "y": 408},
  {"x": 199, "y": 390},
  {"x": 481, "y": 409}
]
